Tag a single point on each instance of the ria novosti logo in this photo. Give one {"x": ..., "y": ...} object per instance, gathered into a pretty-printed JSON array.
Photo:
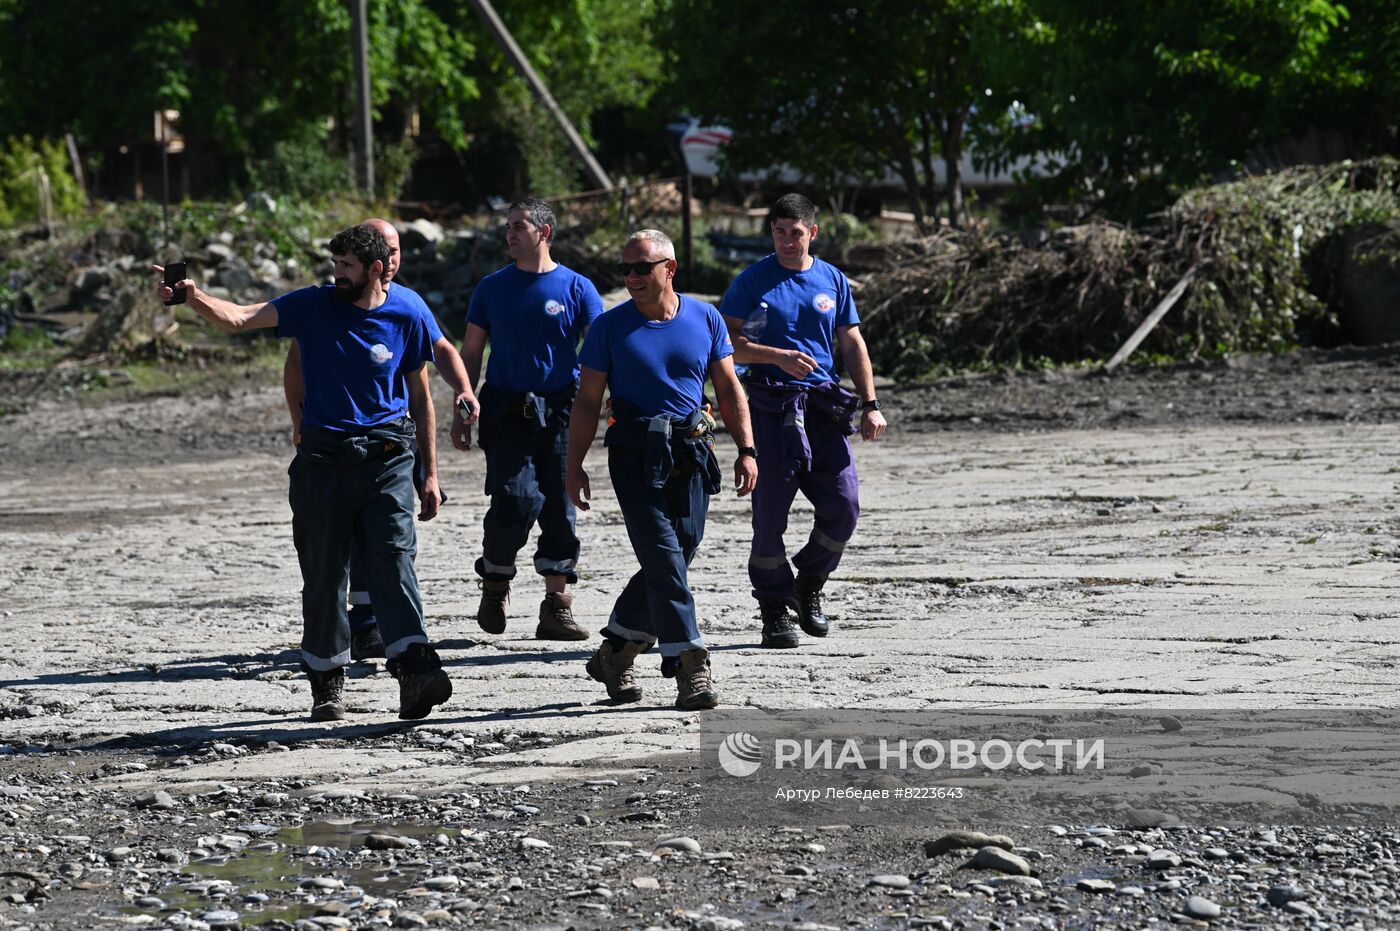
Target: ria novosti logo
[{"x": 740, "y": 754}]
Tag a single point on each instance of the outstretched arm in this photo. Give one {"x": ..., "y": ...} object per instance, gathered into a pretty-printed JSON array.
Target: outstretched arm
[{"x": 226, "y": 315}]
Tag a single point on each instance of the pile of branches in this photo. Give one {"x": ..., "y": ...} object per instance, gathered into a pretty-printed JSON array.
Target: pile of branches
[{"x": 1264, "y": 250}]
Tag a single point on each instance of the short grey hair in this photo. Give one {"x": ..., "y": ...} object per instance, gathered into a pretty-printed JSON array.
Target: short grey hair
[{"x": 655, "y": 237}]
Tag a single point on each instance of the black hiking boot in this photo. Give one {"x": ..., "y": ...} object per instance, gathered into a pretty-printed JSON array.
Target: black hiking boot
[
  {"x": 809, "y": 605},
  {"x": 779, "y": 632},
  {"x": 422, "y": 683},
  {"x": 327, "y": 694}
]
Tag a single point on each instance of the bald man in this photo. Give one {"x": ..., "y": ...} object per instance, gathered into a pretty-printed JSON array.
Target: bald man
[{"x": 365, "y": 638}]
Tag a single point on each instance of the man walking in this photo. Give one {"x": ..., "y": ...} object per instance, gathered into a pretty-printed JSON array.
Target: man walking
[
  {"x": 787, "y": 313},
  {"x": 363, "y": 353},
  {"x": 653, "y": 354},
  {"x": 365, "y": 639},
  {"x": 533, "y": 313}
]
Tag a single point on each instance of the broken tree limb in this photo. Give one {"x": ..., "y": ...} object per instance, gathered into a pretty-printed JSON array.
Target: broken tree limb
[{"x": 1152, "y": 320}]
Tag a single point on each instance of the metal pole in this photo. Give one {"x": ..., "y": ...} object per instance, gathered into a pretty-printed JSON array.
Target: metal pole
[
  {"x": 686, "y": 194},
  {"x": 165, "y": 176},
  {"x": 364, "y": 141},
  {"x": 507, "y": 42}
]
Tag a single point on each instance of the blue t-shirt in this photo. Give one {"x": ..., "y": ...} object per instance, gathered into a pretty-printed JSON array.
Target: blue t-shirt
[
  {"x": 792, "y": 310},
  {"x": 658, "y": 366},
  {"x": 534, "y": 321},
  {"x": 434, "y": 330},
  {"x": 354, "y": 362}
]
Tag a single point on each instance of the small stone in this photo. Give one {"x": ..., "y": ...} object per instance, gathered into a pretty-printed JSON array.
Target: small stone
[
  {"x": 956, "y": 840},
  {"x": 890, "y": 881},
  {"x": 716, "y": 923},
  {"x": 1142, "y": 769},
  {"x": 1001, "y": 861},
  {"x": 333, "y": 907},
  {"x": 159, "y": 800},
  {"x": 410, "y": 920},
  {"x": 534, "y": 843},
  {"x": 645, "y": 882},
  {"x": 583, "y": 820},
  {"x": 683, "y": 844},
  {"x": 150, "y": 901},
  {"x": 1199, "y": 906},
  {"x": 1301, "y": 908},
  {"x": 1095, "y": 885},
  {"x": 1280, "y": 895},
  {"x": 1216, "y": 853},
  {"x": 389, "y": 842},
  {"x": 1163, "y": 860},
  {"x": 221, "y": 920},
  {"x": 442, "y": 883},
  {"x": 1132, "y": 891},
  {"x": 1166, "y": 721}
]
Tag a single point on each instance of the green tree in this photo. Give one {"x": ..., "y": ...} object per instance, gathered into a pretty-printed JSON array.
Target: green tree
[
  {"x": 844, "y": 91},
  {"x": 1134, "y": 102}
]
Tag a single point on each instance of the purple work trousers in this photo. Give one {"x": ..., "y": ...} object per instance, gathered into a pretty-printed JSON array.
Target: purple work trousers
[{"x": 828, "y": 480}]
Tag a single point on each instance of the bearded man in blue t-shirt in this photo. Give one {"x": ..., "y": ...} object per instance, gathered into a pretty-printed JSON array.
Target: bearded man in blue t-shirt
[
  {"x": 533, "y": 313},
  {"x": 787, "y": 313},
  {"x": 363, "y": 353},
  {"x": 653, "y": 354}
]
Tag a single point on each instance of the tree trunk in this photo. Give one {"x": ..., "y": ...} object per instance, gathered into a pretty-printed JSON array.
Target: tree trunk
[{"x": 951, "y": 144}]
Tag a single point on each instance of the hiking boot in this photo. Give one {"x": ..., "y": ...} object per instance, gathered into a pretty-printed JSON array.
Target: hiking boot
[
  {"x": 422, "y": 683},
  {"x": 612, "y": 666},
  {"x": 809, "y": 605},
  {"x": 495, "y": 602},
  {"x": 695, "y": 687},
  {"x": 366, "y": 643},
  {"x": 779, "y": 632},
  {"x": 557, "y": 619},
  {"x": 327, "y": 694}
]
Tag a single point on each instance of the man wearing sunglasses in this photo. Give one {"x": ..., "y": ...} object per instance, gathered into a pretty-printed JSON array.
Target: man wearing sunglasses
[
  {"x": 786, "y": 314},
  {"x": 533, "y": 312},
  {"x": 653, "y": 354}
]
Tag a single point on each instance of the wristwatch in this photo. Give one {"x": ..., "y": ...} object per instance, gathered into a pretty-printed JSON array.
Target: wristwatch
[
  {"x": 748, "y": 451},
  {"x": 872, "y": 405}
]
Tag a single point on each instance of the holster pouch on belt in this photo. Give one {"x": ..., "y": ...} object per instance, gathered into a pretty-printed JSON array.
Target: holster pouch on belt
[
  {"x": 332, "y": 447},
  {"x": 501, "y": 410},
  {"x": 832, "y": 404},
  {"x": 668, "y": 444}
]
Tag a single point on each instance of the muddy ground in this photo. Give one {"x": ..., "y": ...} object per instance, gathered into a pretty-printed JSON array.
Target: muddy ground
[{"x": 1218, "y": 536}]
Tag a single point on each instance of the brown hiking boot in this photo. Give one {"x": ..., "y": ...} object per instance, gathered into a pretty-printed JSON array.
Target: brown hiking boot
[
  {"x": 557, "y": 619},
  {"x": 613, "y": 668},
  {"x": 695, "y": 687},
  {"x": 422, "y": 683},
  {"x": 495, "y": 602},
  {"x": 327, "y": 694}
]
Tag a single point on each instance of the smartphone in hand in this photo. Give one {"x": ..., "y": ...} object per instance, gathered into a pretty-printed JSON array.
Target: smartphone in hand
[{"x": 175, "y": 273}]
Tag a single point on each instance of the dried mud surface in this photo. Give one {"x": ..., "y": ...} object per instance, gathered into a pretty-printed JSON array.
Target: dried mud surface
[{"x": 1196, "y": 537}]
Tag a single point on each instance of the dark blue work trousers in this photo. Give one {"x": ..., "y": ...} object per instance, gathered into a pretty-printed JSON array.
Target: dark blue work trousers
[
  {"x": 665, "y": 526},
  {"x": 525, "y": 467},
  {"x": 370, "y": 504}
]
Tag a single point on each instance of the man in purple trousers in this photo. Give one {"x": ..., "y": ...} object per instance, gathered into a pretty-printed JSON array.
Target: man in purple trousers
[{"x": 786, "y": 314}]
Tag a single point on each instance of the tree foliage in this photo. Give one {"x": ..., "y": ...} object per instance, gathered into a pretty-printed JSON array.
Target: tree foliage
[
  {"x": 1133, "y": 102},
  {"x": 843, "y": 92}
]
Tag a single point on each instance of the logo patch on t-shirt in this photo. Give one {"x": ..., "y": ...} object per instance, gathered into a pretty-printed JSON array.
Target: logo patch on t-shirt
[
  {"x": 380, "y": 353},
  {"x": 824, "y": 303},
  {"x": 553, "y": 308}
]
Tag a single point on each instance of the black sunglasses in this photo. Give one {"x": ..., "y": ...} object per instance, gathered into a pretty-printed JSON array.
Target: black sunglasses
[{"x": 639, "y": 268}]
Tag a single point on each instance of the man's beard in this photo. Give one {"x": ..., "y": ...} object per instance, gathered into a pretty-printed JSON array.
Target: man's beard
[{"x": 348, "y": 291}]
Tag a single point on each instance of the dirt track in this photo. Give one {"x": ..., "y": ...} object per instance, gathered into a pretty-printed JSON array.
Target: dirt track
[{"x": 1198, "y": 537}]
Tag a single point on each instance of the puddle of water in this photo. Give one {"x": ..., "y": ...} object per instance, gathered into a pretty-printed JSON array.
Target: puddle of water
[{"x": 278, "y": 873}]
